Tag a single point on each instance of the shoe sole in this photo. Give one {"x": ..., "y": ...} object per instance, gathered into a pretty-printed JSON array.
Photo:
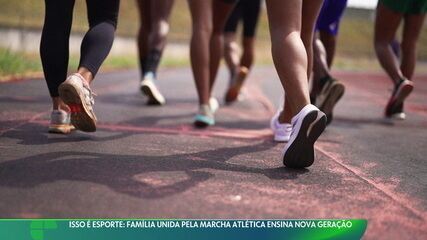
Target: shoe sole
[
  {"x": 154, "y": 96},
  {"x": 398, "y": 116},
  {"x": 81, "y": 120},
  {"x": 199, "y": 123},
  {"x": 404, "y": 92},
  {"x": 281, "y": 139},
  {"x": 60, "y": 129},
  {"x": 335, "y": 94},
  {"x": 300, "y": 154}
]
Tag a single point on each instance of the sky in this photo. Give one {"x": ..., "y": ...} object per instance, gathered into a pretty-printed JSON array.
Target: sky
[{"x": 363, "y": 3}]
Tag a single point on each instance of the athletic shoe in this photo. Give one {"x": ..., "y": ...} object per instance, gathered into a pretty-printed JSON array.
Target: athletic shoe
[
  {"x": 233, "y": 91},
  {"x": 329, "y": 118},
  {"x": 399, "y": 114},
  {"x": 330, "y": 93},
  {"x": 149, "y": 89},
  {"x": 307, "y": 126},
  {"x": 204, "y": 117},
  {"x": 400, "y": 93},
  {"x": 213, "y": 104},
  {"x": 60, "y": 122},
  {"x": 282, "y": 131},
  {"x": 76, "y": 93}
]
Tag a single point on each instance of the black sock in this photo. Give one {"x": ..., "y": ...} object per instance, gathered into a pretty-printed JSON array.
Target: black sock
[
  {"x": 142, "y": 66},
  {"x": 152, "y": 61}
]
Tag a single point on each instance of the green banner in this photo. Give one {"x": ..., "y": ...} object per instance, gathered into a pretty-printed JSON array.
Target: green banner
[{"x": 123, "y": 229}]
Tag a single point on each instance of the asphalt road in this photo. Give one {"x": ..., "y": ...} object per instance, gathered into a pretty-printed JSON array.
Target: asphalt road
[{"x": 149, "y": 162}]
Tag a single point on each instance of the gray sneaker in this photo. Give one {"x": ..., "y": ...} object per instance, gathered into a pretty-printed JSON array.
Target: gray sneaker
[
  {"x": 60, "y": 122},
  {"x": 76, "y": 93}
]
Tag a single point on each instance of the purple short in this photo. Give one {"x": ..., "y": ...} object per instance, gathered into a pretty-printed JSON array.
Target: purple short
[{"x": 330, "y": 16}]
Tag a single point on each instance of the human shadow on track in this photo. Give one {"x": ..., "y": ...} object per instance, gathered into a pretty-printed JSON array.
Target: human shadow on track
[
  {"x": 36, "y": 134},
  {"x": 119, "y": 172},
  {"x": 346, "y": 122}
]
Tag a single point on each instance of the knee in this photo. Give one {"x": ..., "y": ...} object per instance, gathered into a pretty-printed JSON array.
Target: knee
[
  {"x": 202, "y": 30},
  {"x": 105, "y": 22},
  {"x": 161, "y": 29},
  {"x": 381, "y": 44}
]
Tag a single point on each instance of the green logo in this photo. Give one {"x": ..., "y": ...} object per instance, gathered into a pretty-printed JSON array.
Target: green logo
[{"x": 37, "y": 228}]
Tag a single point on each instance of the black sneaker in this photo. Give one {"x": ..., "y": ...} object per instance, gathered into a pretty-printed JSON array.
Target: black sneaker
[
  {"x": 331, "y": 91},
  {"x": 399, "y": 114},
  {"x": 307, "y": 126},
  {"x": 400, "y": 93}
]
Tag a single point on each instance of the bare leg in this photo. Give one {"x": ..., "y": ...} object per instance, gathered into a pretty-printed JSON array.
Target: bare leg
[
  {"x": 320, "y": 66},
  {"x": 241, "y": 70},
  {"x": 144, "y": 30},
  {"x": 231, "y": 53},
  {"x": 329, "y": 43},
  {"x": 160, "y": 13},
  {"x": 310, "y": 12},
  {"x": 386, "y": 25},
  {"x": 411, "y": 34},
  {"x": 202, "y": 26},
  {"x": 58, "y": 104},
  {"x": 86, "y": 74},
  {"x": 221, "y": 11},
  {"x": 289, "y": 54},
  {"x": 248, "y": 55},
  {"x": 291, "y": 63}
]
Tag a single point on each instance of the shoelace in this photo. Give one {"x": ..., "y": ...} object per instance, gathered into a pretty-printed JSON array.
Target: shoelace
[{"x": 89, "y": 97}]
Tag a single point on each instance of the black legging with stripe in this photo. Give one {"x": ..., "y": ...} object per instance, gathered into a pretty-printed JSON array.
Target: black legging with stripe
[{"x": 96, "y": 44}]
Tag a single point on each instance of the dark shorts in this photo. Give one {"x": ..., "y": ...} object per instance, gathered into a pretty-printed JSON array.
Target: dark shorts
[
  {"x": 248, "y": 12},
  {"x": 406, "y": 6},
  {"x": 330, "y": 16}
]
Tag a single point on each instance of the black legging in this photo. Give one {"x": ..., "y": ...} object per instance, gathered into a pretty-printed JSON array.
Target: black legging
[
  {"x": 97, "y": 43},
  {"x": 247, "y": 11}
]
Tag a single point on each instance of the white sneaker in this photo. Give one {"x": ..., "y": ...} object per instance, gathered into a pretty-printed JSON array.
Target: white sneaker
[
  {"x": 76, "y": 93},
  {"x": 60, "y": 122},
  {"x": 399, "y": 116},
  {"x": 149, "y": 88},
  {"x": 213, "y": 104},
  {"x": 205, "y": 117},
  {"x": 282, "y": 131},
  {"x": 307, "y": 126}
]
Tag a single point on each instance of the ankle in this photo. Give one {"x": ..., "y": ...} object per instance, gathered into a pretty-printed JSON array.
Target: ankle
[
  {"x": 58, "y": 104},
  {"x": 284, "y": 117}
]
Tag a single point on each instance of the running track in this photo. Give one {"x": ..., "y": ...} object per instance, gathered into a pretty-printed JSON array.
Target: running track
[{"x": 149, "y": 162}]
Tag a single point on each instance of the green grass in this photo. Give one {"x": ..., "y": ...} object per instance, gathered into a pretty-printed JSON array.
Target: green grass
[{"x": 17, "y": 63}]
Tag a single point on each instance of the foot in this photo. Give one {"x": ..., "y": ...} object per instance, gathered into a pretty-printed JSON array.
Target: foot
[
  {"x": 399, "y": 114},
  {"x": 213, "y": 104},
  {"x": 307, "y": 126},
  {"x": 149, "y": 89},
  {"x": 400, "y": 93},
  {"x": 60, "y": 122},
  {"x": 331, "y": 92},
  {"x": 205, "y": 117},
  {"x": 281, "y": 131},
  {"x": 233, "y": 91},
  {"x": 76, "y": 93}
]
